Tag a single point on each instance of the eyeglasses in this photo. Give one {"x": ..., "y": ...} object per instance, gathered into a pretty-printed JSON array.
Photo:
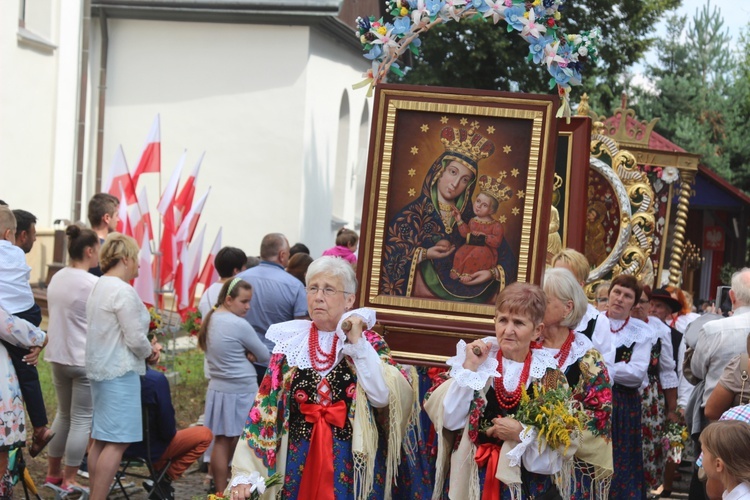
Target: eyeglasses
[
  {"x": 327, "y": 291},
  {"x": 602, "y": 300}
]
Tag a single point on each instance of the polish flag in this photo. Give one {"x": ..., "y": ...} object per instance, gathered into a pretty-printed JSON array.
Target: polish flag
[
  {"x": 123, "y": 225},
  {"x": 187, "y": 280},
  {"x": 167, "y": 246},
  {"x": 145, "y": 218},
  {"x": 209, "y": 275},
  {"x": 185, "y": 199},
  {"x": 144, "y": 283},
  {"x": 120, "y": 174},
  {"x": 150, "y": 160},
  {"x": 187, "y": 228}
]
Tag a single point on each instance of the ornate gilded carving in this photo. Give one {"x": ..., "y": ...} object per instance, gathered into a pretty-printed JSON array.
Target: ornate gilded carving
[{"x": 678, "y": 246}]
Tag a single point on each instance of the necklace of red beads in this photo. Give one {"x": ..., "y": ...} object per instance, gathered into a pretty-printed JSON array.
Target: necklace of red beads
[
  {"x": 562, "y": 355},
  {"x": 507, "y": 399},
  {"x": 320, "y": 360},
  {"x": 618, "y": 330}
]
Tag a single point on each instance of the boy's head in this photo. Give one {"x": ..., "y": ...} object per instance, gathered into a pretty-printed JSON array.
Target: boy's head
[
  {"x": 25, "y": 230},
  {"x": 103, "y": 212},
  {"x": 485, "y": 205},
  {"x": 229, "y": 261},
  {"x": 7, "y": 224}
]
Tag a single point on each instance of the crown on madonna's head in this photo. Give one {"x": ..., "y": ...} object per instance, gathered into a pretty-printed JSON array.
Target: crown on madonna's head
[
  {"x": 466, "y": 144},
  {"x": 493, "y": 187}
]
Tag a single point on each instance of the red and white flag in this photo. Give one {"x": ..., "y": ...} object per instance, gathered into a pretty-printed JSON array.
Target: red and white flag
[
  {"x": 144, "y": 283},
  {"x": 187, "y": 228},
  {"x": 190, "y": 262},
  {"x": 123, "y": 225},
  {"x": 150, "y": 160},
  {"x": 185, "y": 199},
  {"x": 120, "y": 174},
  {"x": 144, "y": 220},
  {"x": 209, "y": 275},
  {"x": 167, "y": 247}
]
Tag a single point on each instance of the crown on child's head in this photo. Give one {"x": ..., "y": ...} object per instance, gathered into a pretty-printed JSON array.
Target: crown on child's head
[
  {"x": 466, "y": 145},
  {"x": 493, "y": 187}
]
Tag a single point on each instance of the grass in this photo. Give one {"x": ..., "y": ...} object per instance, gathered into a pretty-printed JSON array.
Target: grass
[{"x": 188, "y": 396}]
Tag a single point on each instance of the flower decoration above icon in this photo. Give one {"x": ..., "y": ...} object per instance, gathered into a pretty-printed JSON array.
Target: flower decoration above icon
[{"x": 537, "y": 22}]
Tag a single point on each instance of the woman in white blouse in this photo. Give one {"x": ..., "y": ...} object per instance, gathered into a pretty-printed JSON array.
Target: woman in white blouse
[
  {"x": 497, "y": 455},
  {"x": 630, "y": 341},
  {"x": 115, "y": 352},
  {"x": 67, "y": 295}
]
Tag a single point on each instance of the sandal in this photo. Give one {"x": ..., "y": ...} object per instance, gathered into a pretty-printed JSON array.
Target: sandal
[
  {"x": 57, "y": 481},
  {"x": 37, "y": 445}
]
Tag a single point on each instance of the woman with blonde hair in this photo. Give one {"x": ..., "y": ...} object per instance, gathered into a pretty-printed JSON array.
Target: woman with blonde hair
[
  {"x": 726, "y": 459},
  {"x": 116, "y": 347}
]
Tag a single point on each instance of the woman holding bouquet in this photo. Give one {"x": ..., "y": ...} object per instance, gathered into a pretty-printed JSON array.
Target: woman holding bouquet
[
  {"x": 493, "y": 454},
  {"x": 630, "y": 340},
  {"x": 587, "y": 375},
  {"x": 304, "y": 427}
]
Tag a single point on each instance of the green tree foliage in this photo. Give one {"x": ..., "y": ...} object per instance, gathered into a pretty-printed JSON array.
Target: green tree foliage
[
  {"x": 702, "y": 95},
  {"x": 479, "y": 54}
]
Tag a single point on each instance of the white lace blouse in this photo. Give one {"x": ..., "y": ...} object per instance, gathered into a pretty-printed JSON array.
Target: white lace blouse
[
  {"x": 292, "y": 339},
  {"x": 633, "y": 372}
]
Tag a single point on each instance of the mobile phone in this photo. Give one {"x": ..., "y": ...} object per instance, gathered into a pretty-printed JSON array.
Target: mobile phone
[{"x": 722, "y": 298}]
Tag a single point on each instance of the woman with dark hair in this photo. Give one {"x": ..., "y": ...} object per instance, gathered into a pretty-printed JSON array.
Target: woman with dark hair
[
  {"x": 298, "y": 264},
  {"x": 422, "y": 237},
  {"x": 630, "y": 342},
  {"x": 67, "y": 295},
  {"x": 231, "y": 346}
]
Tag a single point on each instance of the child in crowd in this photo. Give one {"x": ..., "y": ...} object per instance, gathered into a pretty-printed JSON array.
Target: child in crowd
[
  {"x": 346, "y": 244},
  {"x": 18, "y": 299},
  {"x": 483, "y": 233},
  {"x": 726, "y": 459}
]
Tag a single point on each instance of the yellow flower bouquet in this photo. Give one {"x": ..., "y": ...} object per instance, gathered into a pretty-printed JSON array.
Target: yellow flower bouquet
[{"x": 554, "y": 413}]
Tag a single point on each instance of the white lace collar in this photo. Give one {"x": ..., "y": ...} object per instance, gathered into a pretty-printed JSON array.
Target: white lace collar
[
  {"x": 591, "y": 313},
  {"x": 580, "y": 346},
  {"x": 661, "y": 329},
  {"x": 292, "y": 338},
  {"x": 541, "y": 360},
  {"x": 636, "y": 331}
]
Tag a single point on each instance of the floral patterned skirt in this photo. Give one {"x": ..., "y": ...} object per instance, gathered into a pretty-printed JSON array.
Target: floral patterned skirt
[
  {"x": 343, "y": 470},
  {"x": 653, "y": 428},
  {"x": 627, "y": 481}
]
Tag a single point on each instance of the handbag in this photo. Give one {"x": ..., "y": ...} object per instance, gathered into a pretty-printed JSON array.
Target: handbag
[
  {"x": 687, "y": 372},
  {"x": 743, "y": 377}
]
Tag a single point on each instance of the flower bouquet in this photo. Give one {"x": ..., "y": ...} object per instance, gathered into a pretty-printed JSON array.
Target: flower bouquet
[
  {"x": 675, "y": 439},
  {"x": 155, "y": 326},
  {"x": 257, "y": 484},
  {"x": 191, "y": 321},
  {"x": 556, "y": 415}
]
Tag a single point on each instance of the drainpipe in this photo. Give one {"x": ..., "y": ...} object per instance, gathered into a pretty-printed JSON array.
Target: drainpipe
[
  {"x": 81, "y": 122},
  {"x": 102, "y": 98}
]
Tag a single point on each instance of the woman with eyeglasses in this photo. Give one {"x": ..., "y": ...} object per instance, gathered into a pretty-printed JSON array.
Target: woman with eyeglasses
[
  {"x": 231, "y": 346},
  {"x": 304, "y": 424}
]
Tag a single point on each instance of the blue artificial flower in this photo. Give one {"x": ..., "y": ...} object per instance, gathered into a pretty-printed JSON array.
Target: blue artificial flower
[
  {"x": 412, "y": 4},
  {"x": 401, "y": 25},
  {"x": 375, "y": 52},
  {"x": 416, "y": 42},
  {"x": 513, "y": 16},
  {"x": 536, "y": 47},
  {"x": 565, "y": 51},
  {"x": 561, "y": 76},
  {"x": 433, "y": 7},
  {"x": 480, "y": 5}
]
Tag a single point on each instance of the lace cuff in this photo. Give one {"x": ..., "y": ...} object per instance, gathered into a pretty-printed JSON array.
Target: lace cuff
[
  {"x": 255, "y": 480},
  {"x": 528, "y": 436},
  {"x": 467, "y": 378},
  {"x": 668, "y": 379},
  {"x": 358, "y": 350}
]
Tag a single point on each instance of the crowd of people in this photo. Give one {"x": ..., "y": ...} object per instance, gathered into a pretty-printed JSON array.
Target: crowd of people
[{"x": 569, "y": 399}]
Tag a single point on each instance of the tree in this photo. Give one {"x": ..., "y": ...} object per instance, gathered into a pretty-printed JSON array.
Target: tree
[{"x": 479, "y": 54}]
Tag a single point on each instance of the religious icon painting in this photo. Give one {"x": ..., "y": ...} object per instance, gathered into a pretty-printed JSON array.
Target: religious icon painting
[{"x": 457, "y": 203}]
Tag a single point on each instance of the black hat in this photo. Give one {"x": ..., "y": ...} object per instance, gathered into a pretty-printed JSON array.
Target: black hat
[{"x": 663, "y": 295}]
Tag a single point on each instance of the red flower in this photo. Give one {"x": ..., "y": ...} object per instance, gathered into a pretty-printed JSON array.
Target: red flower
[
  {"x": 592, "y": 399},
  {"x": 550, "y": 22},
  {"x": 271, "y": 458},
  {"x": 300, "y": 396},
  {"x": 605, "y": 395},
  {"x": 351, "y": 390}
]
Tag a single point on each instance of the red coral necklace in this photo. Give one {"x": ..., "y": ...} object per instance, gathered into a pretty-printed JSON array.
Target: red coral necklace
[
  {"x": 507, "y": 399},
  {"x": 320, "y": 360},
  {"x": 562, "y": 355},
  {"x": 618, "y": 330}
]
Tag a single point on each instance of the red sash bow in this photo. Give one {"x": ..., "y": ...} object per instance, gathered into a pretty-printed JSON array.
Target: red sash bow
[
  {"x": 317, "y": 478},
  {"x": 489, "y": 454}
]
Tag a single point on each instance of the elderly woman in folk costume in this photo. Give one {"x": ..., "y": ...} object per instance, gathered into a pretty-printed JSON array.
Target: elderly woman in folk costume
[
  {"x": 497, "y": 456},
  {"x": 332, "y": 411},
  {"x": 586, "y": 374},
  {"x": 631, "y": 340}
]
